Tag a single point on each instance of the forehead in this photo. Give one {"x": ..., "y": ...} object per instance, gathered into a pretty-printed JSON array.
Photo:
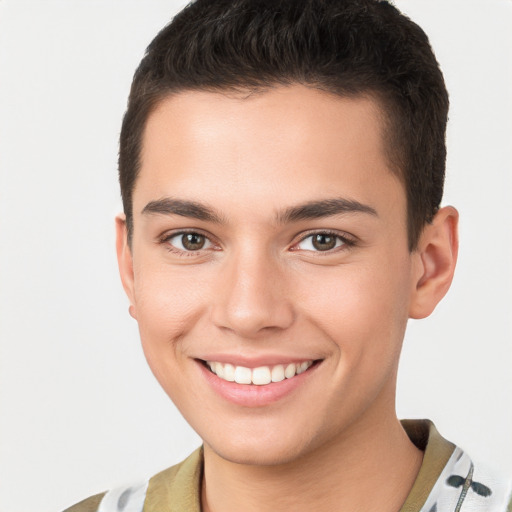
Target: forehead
[
  {"x": 297, "y": 140},
  {"x": 281, "y": 114}
]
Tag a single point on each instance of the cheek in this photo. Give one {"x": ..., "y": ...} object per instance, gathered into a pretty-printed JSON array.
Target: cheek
[
  {"x": 362, "y": 309},
  {"x": 167, "y": 304}
]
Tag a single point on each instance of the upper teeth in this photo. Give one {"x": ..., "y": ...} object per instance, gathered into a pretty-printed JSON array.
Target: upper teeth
[{"x": 259, "y": 376}]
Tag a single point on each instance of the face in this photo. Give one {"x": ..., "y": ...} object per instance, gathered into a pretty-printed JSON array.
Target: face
[{"x": 269, "y": 269}]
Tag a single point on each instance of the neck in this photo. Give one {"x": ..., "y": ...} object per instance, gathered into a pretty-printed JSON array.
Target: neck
[{"x": 370, "y": 467}]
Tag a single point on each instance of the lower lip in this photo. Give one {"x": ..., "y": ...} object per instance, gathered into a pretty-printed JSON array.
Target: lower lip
[{"x": 251, "y": 395}]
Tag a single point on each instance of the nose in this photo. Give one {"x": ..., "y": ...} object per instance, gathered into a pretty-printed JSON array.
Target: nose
[{"x": 252, "y": 296}]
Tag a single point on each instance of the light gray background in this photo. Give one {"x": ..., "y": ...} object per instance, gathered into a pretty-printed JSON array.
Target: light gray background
[{"x": 80, "y": 412}]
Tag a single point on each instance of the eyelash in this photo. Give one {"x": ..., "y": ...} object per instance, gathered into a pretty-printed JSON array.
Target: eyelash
[
  {"x": 165, "y": 240},
  {"x": 347, "y": 241}
]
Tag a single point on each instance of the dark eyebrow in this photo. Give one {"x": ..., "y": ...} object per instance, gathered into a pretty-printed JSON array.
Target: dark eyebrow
[
  {"x": 323, "y": 208},
  {"x": 310, "y": 210},
  {"x": 192, "y": 209}
]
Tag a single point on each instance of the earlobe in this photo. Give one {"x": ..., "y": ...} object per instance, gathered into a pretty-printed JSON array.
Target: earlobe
[
  {"x": 435, "y": 261},
  {"x": 125, "y": 261}
]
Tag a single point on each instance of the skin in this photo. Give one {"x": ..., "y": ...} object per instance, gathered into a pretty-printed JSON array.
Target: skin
[{"x": 259, "y": 289}]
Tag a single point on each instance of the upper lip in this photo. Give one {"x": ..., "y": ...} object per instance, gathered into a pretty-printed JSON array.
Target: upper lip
[{"x": 255, "y": 361}]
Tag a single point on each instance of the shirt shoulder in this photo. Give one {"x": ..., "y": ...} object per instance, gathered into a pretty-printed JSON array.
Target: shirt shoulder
[
  {"x": 449, "y": 480},
  {"x": 90, "y": 504},
  {"x": 470, "y": 485},
  {"x": 177, "y": 486}
]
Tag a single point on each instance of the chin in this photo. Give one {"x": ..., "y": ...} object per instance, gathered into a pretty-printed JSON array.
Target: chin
[
  {"x": 257, "y": 454},
  {"x": 256, "y": 449}
]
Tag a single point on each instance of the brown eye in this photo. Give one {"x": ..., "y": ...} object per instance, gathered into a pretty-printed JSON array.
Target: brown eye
[
  {"x": 323, "y": 241},
  {"x": 193, "y": 241},
  {"x": 188, "y": 242}
]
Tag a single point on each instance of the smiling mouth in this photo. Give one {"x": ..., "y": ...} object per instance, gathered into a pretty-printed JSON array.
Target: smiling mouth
[{"x": 260, "y": 376}]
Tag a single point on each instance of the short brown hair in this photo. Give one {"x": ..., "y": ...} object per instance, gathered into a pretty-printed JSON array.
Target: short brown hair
[{"x": 347, "y": 47}]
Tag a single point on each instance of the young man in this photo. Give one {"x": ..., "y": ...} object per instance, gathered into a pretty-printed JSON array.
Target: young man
[{"x": 281, "y": 166}]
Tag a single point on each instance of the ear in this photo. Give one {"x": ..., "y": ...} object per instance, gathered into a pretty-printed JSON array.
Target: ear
[
  {"x": 125, "y": 261},
  {"x": 435, "y": 261}
]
